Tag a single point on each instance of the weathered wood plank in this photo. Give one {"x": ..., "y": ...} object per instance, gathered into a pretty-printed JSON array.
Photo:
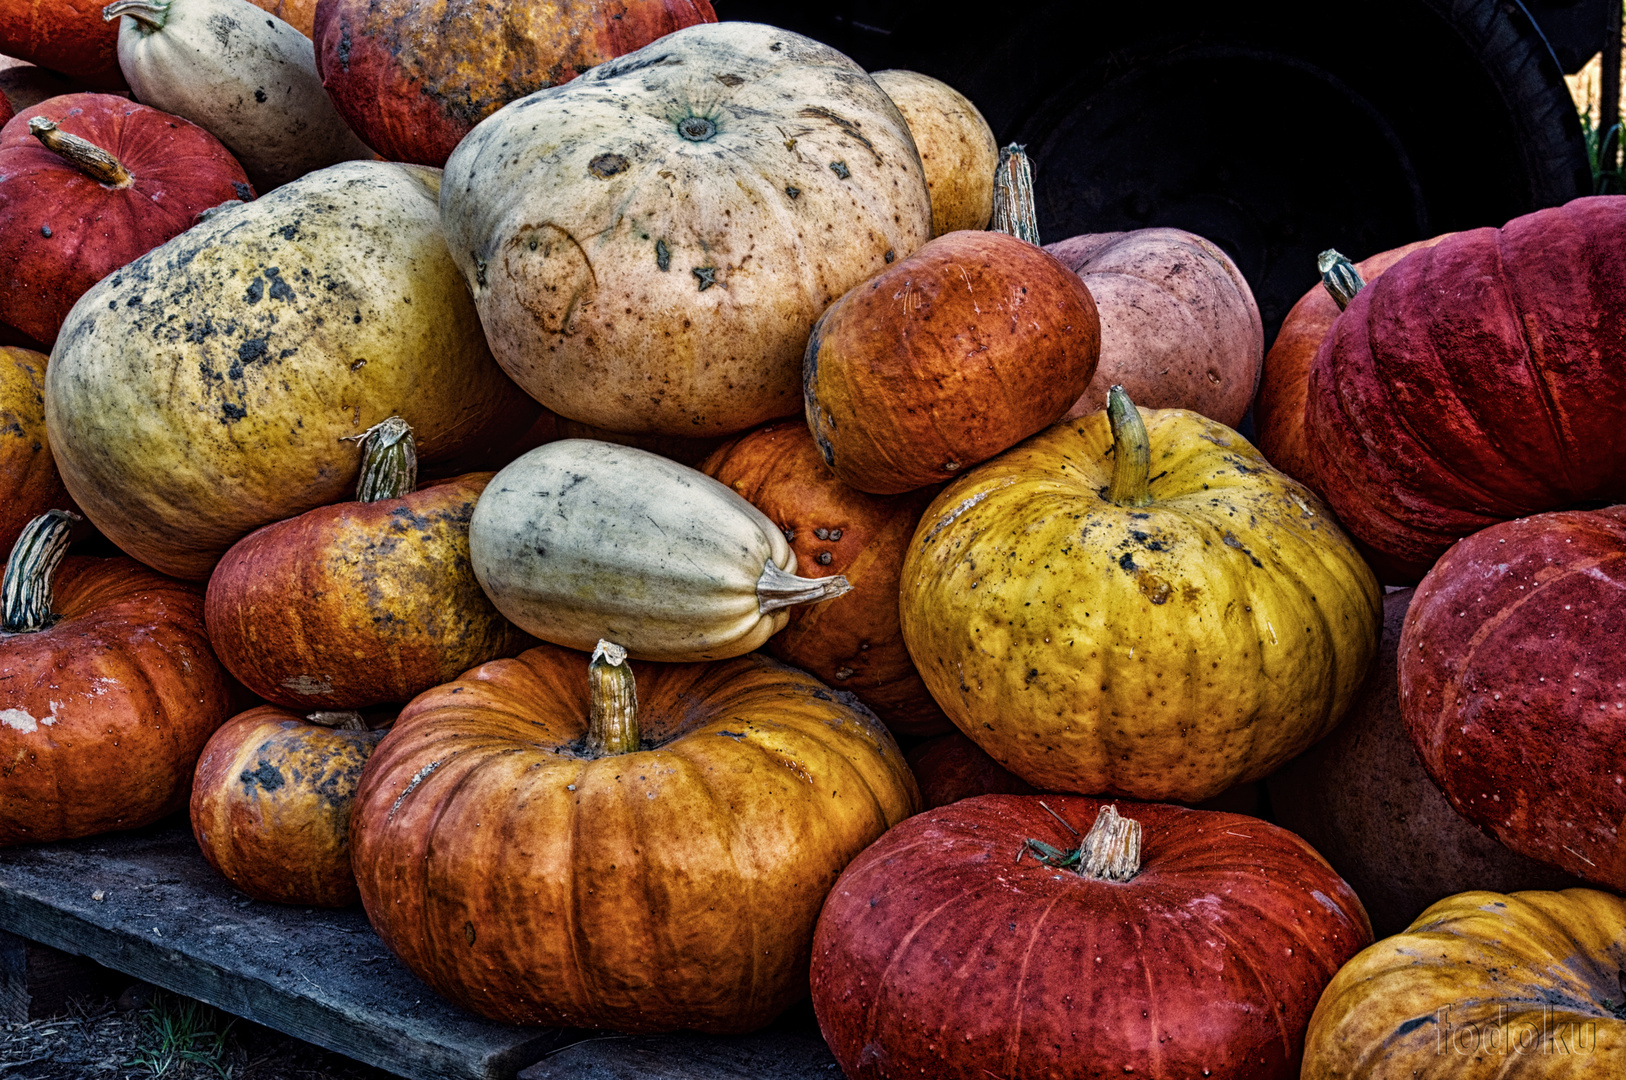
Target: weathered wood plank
[{"x": 36, "y": 980}]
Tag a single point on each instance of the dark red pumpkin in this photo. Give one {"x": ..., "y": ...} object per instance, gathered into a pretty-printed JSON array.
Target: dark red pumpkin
[
  {"x": 853, "y": 642},
  {"x": 104, "y": 711},
  {"x": 952, "y": 767},
  {"x": 29, "y": 482},
  {"x": 956, "y": 948},
  {"x": 1513, "y": 686},
  {"x": 66, "y": 36},
  {"x": 112, "y": 180},
  {"x": 1475, "y": 381},
  {"x": 412, "y": 78}
]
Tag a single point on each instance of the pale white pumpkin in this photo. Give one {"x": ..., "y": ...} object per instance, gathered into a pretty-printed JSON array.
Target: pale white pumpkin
[
  {"x": 244, "y": 76},
  {"x": 580, "y": 540},
  {"x": 957, "y": 147},
  {"x": 650, "y": 244}
]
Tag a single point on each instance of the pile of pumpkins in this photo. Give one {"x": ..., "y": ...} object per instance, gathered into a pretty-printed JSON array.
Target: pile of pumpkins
[{"x": 548, "y": 486}]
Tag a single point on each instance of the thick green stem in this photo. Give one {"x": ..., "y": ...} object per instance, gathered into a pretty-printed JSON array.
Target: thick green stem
[
  {"x": 1339, "y": 277},
  {"x": 1110, "y": 851},
  {"x": 777, "y": 588},
  {"x": 389, "y": 461},
  {"x": 151, "y": 14},
  {"x": 82, "y": 154},
  {"x": 612, "y": 723},
  {"x": 1131, "y": 452},
  {"x": 34, "y": 558},
  {"x": 1014, "y": 210}
]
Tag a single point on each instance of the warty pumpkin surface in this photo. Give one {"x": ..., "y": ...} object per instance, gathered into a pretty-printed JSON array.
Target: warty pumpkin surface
[
  {"x": 650, "y": 243},
  {"x": 1165, "y": 632},
  {"x": 1482, "y": 986},
  {"x": 660, "y": 878}
]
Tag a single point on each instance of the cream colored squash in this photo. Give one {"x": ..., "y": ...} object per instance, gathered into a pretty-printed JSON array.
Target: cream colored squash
[
  {"x": 246, "y": 77},
  {"x": 209, "y": 387},
  {"x": 580, "y": 540},
  {"x": 650, "y": 244},
  {"x": 957, "y": 148}
]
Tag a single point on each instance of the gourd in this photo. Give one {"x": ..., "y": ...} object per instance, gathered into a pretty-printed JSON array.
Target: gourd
[
  {"x": 247, "y": 77},
  {"x": 580, "y": 540},
  {"x": 957, "y": 148},
  {"x": 29, "y": 482},
  {"x": 66, "y": 36},
  {"x": 1006, "y": 936},
  {"x": 215, "y": 384},
  {"x": 546, "y": 842},
  {"x": 110, "y": 690},
  {"x": 650, "y": 243},
  {"x": 952, "y": 767},
  {"x": 1136, "y": 603}
]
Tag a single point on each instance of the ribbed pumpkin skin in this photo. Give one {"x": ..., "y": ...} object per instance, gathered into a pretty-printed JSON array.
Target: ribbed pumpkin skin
[
  {"x": 1477, "y": 381},
  {"x": 67, "y": 36},
  {"x": 271, "y": 802},
  {"x": 104, "y": 713},
  {"x": 940, "y": 953},
  {"x": 1482, "y": 986},
  {"x": 178, "y": 171},
  {"x": 852, "y": 642},
  {"x": 1164, "y": 652},
  {"x": 953, "y": 767},
  {"x": 358, "y": 604},
  {"x": 957, "y": 148},
  {"x": 673, "y": 887},
  {"x": 964, "y": 349},
  {"x": 29, "y": 482},
  {"x": 413, "y": 78},
  {"x": 1513, "y": 686}
]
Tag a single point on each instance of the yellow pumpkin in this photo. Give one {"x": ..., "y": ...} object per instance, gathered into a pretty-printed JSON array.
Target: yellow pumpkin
[
  {"x": 957, "y": 147},
  {"x": 1483, "y": 985},
  {"x": 1136, "y": 603}
]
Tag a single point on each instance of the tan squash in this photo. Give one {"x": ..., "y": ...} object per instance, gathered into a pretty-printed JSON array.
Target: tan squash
[{"x": 957, "y": 147}]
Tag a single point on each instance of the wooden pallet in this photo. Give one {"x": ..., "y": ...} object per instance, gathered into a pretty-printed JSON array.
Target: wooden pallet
[{"x": 145, "y": 903}]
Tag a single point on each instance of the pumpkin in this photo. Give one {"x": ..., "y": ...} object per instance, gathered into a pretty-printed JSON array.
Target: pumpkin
[
  {"x": 544, "y": 844},
  {"x": 957, "y": 148},
  {"x": 962, "y": 350},
  {"x": 360, "y": 603},
  {"x": 1278, "y": 408},
  {"x": 300, "y": 14},
  {"x": 25, "y": 86},
  {"x": 210, "y": 387},
  {"x": 1137, "y": 604},
  {"x": 952, "y": 767},
  {"x": 988, "y": 938},
  {"x": 1513, "y": 686},
  {"x": 650, "y": 243},
  {"x": 1428, "y": 421},
  {"x": 66, "y": 36},
  {"x": 853, "y": 641},
  {"x": 1362, "y": 799},
  {"x": 249, "y": 79},
  {"x": 87, "y": 183},
  {"x": 6, "y": 110},
  {"x": 29, "y": 482},
  {"x": 580, "y": 538},
  {"x": 271, "y": 801},
  {"x": 1483, "y": 986},
  {"x": 413, "y": 78},
  {"x": 110, "y": 691}
]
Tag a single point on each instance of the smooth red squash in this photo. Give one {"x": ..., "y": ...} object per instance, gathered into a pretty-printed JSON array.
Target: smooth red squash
[
  {"x": 986, "y": 939},
  {"x": 66, "y": 36},
  {"x": 1475, "y": 381},
  {"x": 1513, "y": 686},
  {"x": 853, "y": 642},
  {"x": 29, "y": 482},
  {"x": 72, "y": 213},
  {"x": 104, "y": 710},
  {"x": 412, "y": 78},
  {"x": 271, "y": 801}
]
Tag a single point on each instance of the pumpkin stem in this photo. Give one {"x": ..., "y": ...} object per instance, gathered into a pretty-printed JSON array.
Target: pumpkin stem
[
  {"x": 612, "y": 724},
  {"x": 82, "y": 154},
  {"x": 778, "y": 588},
  {"x": 34, "y": 558},
  {"x": 1131, "y": 452},
  {"x": 389, "y": 461},
  {"x": 343, "y": 719},
  {"x": 1339, "y": 276},
  {"x": 151, "y": 14},
  {"x": 1014, "y": 211},
  {"x": 1110, "y": 851}
]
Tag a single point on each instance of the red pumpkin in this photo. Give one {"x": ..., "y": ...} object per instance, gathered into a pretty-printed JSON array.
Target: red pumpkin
[
  {"x": 952, "y": 767},
  {"x": 986, "y": 939},
  {"x": 411, "y": 79},
  {"x": 853, "y": 642},
  {"x": 1476, "y": 381},
  {"x": 66, "y": 36},
  {"x": 1513, "y": 686},
  {"x": 104, "y": 711},
  {"x": 29, "y": 482},
  {"x": 112, "y": 180}
]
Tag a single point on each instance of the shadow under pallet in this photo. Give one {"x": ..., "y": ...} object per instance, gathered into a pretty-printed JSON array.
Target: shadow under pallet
[{"x": 145, "y": 903}]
